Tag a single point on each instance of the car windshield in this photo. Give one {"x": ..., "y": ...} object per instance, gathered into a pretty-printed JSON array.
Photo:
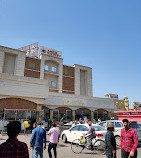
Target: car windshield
[{"x": 99, "y": 128}]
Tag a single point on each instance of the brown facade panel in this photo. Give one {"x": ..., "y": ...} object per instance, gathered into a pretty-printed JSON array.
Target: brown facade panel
[
  {"x": 68, "y": 92},
  {"x": 63, "y": 109},
  {"x": 100, "y": 111},
  {"x": 83, "y": 109},
  {"x": 34, "y": 74},
  {"x": 16, "y": 103},
  {"x": 68, "y": 71},
  {"x": 33, "y": 64},
  {"x": 68, "y": 83}
]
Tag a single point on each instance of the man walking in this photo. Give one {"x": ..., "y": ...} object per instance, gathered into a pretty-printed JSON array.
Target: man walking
[
  {"x": 37, "y": 139},
  {"x": 13, "y": 148},
  {"x": 110, "y": 142},
  {"x": 54, "y": 139},
  {"x": 129, "y": 141},
  {"x": 26, "y": 127}
]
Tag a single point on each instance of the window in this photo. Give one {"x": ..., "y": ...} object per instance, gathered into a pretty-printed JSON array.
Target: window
[
  {"x": 75, "y": 128},
  {"x": 9, "y": 63},
  {"x": 99, "y": 128},
  {"x": 54, "y": 69},
  {"x": 53, "y": 84},
  {"x": 118, "y": 124},
  {"x": 46, "y": 67},
  {"x": 110, "y": 123},
  {"x": 103, "y": 124},
  {"x": 83, "y": 128},
  {"x": 134, "y": 125}
]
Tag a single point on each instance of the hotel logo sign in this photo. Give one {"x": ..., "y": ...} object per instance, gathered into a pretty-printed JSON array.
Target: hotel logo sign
[
  {"x": 49, "y": 51},
  {"x": 75, "y": 102}
]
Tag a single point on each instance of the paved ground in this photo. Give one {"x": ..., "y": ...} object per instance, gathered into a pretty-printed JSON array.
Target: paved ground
[{"x": 64, "y": 149}]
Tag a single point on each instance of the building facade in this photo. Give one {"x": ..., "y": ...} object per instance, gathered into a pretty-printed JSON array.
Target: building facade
[
  {"x": 43, "y": 83},
  {"x": 137, "y": 106},
  {"x": 121, "y": 104}
]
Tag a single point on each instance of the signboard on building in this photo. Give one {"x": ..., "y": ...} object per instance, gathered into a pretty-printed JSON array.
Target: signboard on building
[
  {"x": 32, "y": 50},
  {"x": 114, "y": 96},
  {"x": 75, "y": 102},
  {"x": 132, "y": 115},
  {"x": 49, "y": 51}
]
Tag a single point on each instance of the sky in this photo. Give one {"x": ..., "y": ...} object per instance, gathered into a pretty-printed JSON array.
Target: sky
[{"x": 102, "y": 34}]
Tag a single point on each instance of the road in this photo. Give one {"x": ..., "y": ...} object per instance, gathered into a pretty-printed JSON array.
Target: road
[{"x": 64, "y": 149}]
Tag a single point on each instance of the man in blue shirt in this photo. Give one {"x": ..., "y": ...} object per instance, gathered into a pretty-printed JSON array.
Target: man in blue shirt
[{"x": 37, "y": 139}]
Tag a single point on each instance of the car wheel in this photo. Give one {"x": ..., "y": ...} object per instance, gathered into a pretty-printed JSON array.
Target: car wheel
[
  {"x": 64, "y": 138},
  {"x": 118, "y": 140}
]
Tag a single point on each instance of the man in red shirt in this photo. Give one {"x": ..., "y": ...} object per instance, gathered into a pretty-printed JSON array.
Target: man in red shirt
[
  {"x": 129, "y": 141},
  {"x": 13, "y": 148}
]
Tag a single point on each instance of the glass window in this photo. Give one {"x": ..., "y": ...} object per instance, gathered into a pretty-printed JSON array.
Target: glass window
[
  {"x": 99, "y": 128},
  {"x": 75, "y": 128},
  {"x": 134, "y": 125},
  {"x": 118, "y": 124},
  {"x": 54, "y": 69},
  {"x": 53, "y": 84},
  {"x": 110, "y": 123},
  {"x": 83, "y": 128},
  {"x": 46, "y": 67},
  {"x": 103, "y": 124}
]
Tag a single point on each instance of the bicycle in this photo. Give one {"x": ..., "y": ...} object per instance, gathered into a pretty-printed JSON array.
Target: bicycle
[{"x": 77, "y": 146}]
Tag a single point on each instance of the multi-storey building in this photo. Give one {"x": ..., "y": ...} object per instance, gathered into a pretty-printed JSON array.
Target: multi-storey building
[{"x": 44, "y": 83}]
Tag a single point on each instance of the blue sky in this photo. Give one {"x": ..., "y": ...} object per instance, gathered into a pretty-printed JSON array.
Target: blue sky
[{"x": 102, "y": 34}]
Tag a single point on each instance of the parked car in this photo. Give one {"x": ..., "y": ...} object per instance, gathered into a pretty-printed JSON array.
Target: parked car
[
  {"x": 118, "y": 125},
  {"x": 77, "y": 131},
  {"x": 136, "y": 126}
]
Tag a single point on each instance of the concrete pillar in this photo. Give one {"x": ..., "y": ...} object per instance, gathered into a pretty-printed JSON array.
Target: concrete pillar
[
  {"x": 51, "y": 114},
  {"x": 109, "y": 115},
  {"x": 92, "y": 116},
  {"x": 73, "y": 115},
  {"x": 2, "y": 56},
  {"x": 38, "y": 114}
]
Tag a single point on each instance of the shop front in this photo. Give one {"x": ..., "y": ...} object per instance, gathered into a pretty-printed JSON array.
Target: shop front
[
  {"x": 131, "y": 115},
  {"x": 18, "y": 109}
]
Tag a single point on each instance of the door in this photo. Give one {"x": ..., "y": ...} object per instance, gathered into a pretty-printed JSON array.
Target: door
[
  {"x": 73, "y": 133},
  {"x": 68, "y": 115},
  {"x": 82, "y": 130},
  {"x": 56, "y": 115}
]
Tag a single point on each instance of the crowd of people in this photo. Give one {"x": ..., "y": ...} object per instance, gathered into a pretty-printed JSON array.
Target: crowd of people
[{"x": 13, "y": 148}]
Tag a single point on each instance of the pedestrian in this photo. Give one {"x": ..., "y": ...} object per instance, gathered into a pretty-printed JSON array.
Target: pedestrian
[
  {"x": 129, "y": 141},
  {"x": 33, "y": 142},
  {"x": 54, "y": 139},
  {"x": 49, "y": 123},
  {"x": 26, "y": 127},
  {"x": 90, "y": 135},
  {"x": 37, "y": 139},
  {"x": 13, "y": 148},
  {"x": 80, "y": 120},
  {"x": 110, "y": 142}
]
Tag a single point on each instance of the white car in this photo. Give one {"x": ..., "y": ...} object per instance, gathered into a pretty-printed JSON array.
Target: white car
[
  {"x": 118, "y": 125},
  {"x": 77, "y": 131}
]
